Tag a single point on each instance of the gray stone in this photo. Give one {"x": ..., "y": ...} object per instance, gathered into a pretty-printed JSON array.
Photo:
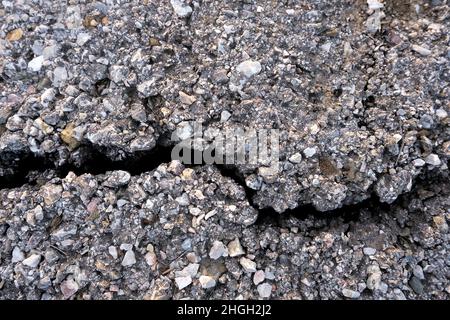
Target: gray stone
[
  {"x": 118, "y": 73},
  {"x": 427, "y": 121},
  {"x": 374, "y": 281},
  {"x": 441, "y": 113},
  {"x": 418, "y": 272},
  {"x": 218, "y": 250},
  {"x": 190, "y": 270},
  {"x": 416, "y": 285},
  {"x": 399, "y": 295},
  {"x": 373, "y": 23},
  {"x": 418, "y": 162},
  {"x": 374, "y": 4},
  {"x": 186, "y": 99},
  {"x": 113, "y": 252},
  {"x": 247, "y": 264},
  {"x": 148, "y": 88},
  {"x": 117, "y": 179},
  {"x": 126, "y": 246},
  {"x": 69, "y": 287},
  {"x": 224, "y": 116}
]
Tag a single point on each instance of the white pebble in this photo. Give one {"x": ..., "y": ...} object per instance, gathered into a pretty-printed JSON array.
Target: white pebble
[
  {"x": 36, "y": 64},
  {"x": 369, "y": 251},
  {"x": 207, "y": 282},
  {"x": 32, "y": 261},
  {"x": 17, "y": 255},
  {"x": 180, "y": 8},
  {"x": 259, "y": 277},
  {"x": 59, "y": 75},
  {"x": 129, "y": 259},
  {"x": 421, "y": 50},
  {"x": 418, "y": 163},
  {"x": 295, "y": 158},
  {"x": 235, "y": 249},
  {"x": 309, "y": 152},
  {"x": 264, "y": 290},
  {"x": 247, "y": 264},
  {"x": 374, "y": 4},
  {"x": 183, "y": 282},
  {"x": 113, "y": 252},
  {"x": 82, "y": 38},
  {"x": 224, "y": 116},
  {"x": 441, "y": 113},
  {"x": 433, "y": 159},
  {"x": 218, "y": 250},
  {"x": 249, "y": 68},
  {"x": 351, "y": 294}
]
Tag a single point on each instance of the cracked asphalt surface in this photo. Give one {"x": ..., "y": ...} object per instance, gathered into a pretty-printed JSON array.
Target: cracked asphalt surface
[{"x": 93, "y": 207}]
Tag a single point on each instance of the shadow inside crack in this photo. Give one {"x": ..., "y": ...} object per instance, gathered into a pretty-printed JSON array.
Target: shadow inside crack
[{"x": 94, "y": 160}]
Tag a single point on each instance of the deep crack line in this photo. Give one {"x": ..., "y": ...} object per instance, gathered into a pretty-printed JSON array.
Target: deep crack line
[{"x": 96, "y": 162}]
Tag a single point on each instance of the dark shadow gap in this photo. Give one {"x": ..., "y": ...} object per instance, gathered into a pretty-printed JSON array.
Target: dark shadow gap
[{"x": 95, "y": 161}]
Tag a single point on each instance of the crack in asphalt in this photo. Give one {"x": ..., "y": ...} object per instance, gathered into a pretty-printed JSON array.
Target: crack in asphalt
[{"x": 96, "y": 162}]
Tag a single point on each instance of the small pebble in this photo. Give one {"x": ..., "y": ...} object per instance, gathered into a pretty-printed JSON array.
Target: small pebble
[
  {"x": 309, "y": 152},
  {"x": 224, "y": 116},
  {"x": 258, "y": 277},
  {"x": 433, "y": 159},
  {"x": 418, "y": 163},
  {"x": 36, "y": 64},
  {"x": 218, "y": 250},
  {"x": 264, "y": 290},
  {"x": 416, "y": 285},
  {"x": 129, "y": 259},
  {"x": 351, "y": 294},
  {"x": 32, "y": 261},
  {"x": 207, "y": 282},
  {"x": 181, "y": 9},
  {"x": 296, "y": 158},
  {"x": 247, "y": 264},
  {"x": 69, "y": 288},
  {"x": 183, "y": 282},
  {"x": 17, "y": 255},
  {"x": 235, "y": 249},
  {"x": 82, "y": 38},
  {"x": 249, "y": 68},
  {"x": 421, "y": 50},
  {"x": 113, "y": 251},
  {"x": 369, "y": 251}
]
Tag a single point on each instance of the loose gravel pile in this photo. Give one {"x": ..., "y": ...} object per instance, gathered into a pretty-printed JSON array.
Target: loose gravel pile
[{"x": 359, "y": 91}]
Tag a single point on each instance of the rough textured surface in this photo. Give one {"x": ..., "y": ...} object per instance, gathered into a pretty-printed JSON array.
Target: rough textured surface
[
  {"x": 358, "y": 89},
  {"x": 182, "y": 233}
]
